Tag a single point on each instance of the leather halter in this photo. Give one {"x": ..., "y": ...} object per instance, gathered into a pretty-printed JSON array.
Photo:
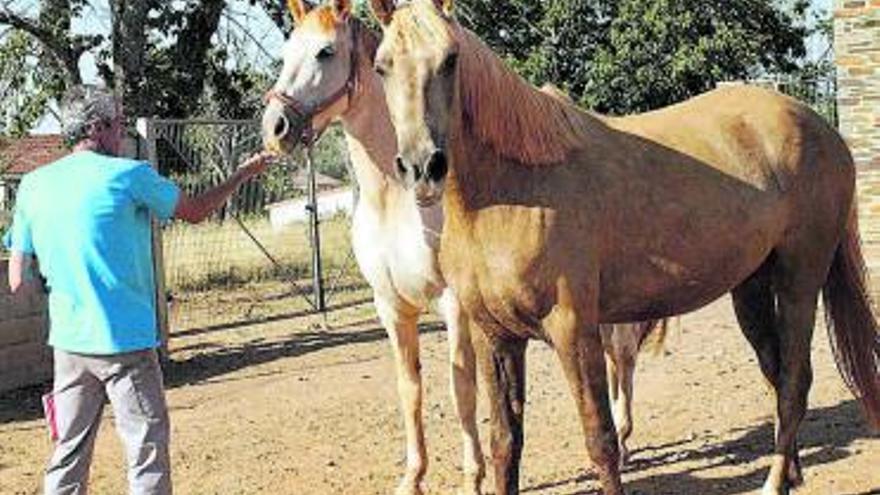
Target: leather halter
[{"x": 347, "y": 90}]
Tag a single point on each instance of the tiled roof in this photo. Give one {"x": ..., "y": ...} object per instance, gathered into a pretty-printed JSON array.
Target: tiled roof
[{"x": 20, "y": 156}]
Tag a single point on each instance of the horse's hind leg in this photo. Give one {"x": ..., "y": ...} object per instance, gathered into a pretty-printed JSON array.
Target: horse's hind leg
[
  {"x": 620, "y": 346},
  {"x": 623, "y": 406},
  {"x": 614, "y": 394},
  {"x": 464, "y": 391},
  {"x": 797, "y": 283},
  {"x": 400, "y": 321},
  {"x": 502, "y": 363},
  {"x": 755, "y": 306}
]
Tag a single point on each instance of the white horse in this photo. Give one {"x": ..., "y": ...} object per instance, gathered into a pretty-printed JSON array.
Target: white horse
[{"x": 327, "y": 76}]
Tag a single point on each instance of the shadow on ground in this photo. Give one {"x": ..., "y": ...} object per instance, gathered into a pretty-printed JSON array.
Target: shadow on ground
[
  {"x": 826, "y": 432},
  {"x": 208, "y": 361},
  {"x": 227, "y": 359}
]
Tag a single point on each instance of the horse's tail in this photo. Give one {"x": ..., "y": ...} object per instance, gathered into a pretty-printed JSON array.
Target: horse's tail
[
  {"x": 653, "y": 334},
  {"x": 852, "y": 328}
]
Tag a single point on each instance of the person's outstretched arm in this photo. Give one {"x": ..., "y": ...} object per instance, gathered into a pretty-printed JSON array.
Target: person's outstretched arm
[{"x": 194, "y": 209}]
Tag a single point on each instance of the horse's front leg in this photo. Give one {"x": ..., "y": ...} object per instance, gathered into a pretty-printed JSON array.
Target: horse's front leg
[
  {"x": 400, "y": 321},
  {"x": 575, "y": 336},
  {"x": 464, "y": 391},
  {"x": 503, "y": 366}
]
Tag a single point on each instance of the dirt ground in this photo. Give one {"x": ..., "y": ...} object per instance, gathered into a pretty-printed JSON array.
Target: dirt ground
[{"x": 291, "y": 408}]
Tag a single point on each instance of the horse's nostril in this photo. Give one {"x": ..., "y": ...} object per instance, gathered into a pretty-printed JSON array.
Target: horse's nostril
[
  {"x": 401, "y": 168},
  {"x": 437, "y": 166},
  {"x": 281, "y": 127}
]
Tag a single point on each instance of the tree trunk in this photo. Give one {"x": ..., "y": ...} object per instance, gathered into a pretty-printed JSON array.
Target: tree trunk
[{"x": 130, "y": 54}]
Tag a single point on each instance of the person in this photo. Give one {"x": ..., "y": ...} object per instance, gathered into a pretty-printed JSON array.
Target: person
[{"x": 86, "y": 219}]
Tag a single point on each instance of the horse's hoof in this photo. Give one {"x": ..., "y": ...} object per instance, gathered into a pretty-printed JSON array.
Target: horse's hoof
[
  {"x": 408, "y": 489},
  {"x": 624, "y": 457},
  {"x": 771, "y": 490},
  {"x": 409, "y": 486},
  {"x": 794, "y": 475},
  {"x": 471, "y": 485}
]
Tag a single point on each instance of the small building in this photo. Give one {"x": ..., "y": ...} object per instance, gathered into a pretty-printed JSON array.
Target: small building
[
  {"x": 333, "y": 198},
  {"x": 20, "y": 156},
  {"x": 293, "y": 211}
]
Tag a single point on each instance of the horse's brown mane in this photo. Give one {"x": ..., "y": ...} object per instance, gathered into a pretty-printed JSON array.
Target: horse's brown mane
[
  {"x": 504, "y": 111},
  {"x": 369, "y": 41}
]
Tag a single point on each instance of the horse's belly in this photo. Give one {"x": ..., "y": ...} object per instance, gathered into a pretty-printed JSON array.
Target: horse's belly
[{"x": 656, "y": 286}]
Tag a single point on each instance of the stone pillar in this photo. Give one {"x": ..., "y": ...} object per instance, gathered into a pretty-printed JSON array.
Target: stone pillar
[{"x": 857, "y": 54}]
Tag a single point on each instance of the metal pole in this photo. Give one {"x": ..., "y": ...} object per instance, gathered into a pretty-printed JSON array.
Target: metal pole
[
  {"x": 147, "y": 130},
  {"x": 317, "y": 274}
]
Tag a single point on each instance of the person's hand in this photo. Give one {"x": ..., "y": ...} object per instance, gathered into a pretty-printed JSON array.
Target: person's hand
[{"x": 257, "y": 163}]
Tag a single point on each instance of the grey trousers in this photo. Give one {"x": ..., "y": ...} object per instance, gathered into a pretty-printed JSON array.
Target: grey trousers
[{"x": 133, "y": 384}]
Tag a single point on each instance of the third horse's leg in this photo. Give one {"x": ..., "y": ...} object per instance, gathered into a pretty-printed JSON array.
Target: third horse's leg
[{"x": 464, "y": 391}]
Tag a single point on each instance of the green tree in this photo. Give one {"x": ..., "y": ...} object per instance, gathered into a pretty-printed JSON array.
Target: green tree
[
  {"x": 663, "y": 51},
  {"x": 163, "y": 57},
  {"x": 24, "y": 89},
  {"x": 39, "y": 57},
  {"x": 633, "y": 55}
]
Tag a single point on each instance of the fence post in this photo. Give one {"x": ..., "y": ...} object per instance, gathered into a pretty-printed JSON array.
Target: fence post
[
  {"x": 314, "y": 228},
  {"x": 147, "y": 130}
]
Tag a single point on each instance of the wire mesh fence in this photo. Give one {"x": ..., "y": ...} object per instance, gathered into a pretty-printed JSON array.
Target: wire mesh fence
[{"x": 243, "y": 266}]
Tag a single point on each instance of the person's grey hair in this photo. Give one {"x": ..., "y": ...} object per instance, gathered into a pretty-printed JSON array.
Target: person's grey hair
[{"x": 83, "y": 106}]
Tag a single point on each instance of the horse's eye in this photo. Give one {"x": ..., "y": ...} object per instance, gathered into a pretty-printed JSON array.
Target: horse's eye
[
  {"x": 380, "y": 69},
  {"x": 326, "y": 53},
  {"x": 448, "y": 65}
]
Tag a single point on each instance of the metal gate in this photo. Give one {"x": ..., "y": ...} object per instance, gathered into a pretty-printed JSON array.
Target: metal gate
[{"x": 241, "y": 266}]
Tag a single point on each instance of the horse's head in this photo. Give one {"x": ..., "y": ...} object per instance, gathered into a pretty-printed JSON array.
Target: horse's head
[
  {"x": 318, "y": 77},
  {"x": 418, "y": 63}
]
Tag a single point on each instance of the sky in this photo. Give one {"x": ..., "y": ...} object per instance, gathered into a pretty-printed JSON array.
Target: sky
[{"x": 96, "y": 19}]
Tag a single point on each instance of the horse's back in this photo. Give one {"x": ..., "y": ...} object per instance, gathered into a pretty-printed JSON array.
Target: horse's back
[
  {"x": 739, "y": 127},
  {"x": 710, "y": 187}
]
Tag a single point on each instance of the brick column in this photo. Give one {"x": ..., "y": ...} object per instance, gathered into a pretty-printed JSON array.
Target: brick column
[{"x": 857, "y": 54}]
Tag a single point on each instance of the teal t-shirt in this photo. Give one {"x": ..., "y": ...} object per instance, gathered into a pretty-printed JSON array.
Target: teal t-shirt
[{"x": 86, "y": 218}]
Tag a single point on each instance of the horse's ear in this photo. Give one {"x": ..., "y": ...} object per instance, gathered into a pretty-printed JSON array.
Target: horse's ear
[
  {"x": 446, "y": 6},
  {"x": 342, "y": 8},
  {"x": 298, "y": 9},
  {"x": 383, "y": 10}
]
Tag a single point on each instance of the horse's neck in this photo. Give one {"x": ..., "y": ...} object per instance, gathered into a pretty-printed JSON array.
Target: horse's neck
[{"x": 370, "y": 137}]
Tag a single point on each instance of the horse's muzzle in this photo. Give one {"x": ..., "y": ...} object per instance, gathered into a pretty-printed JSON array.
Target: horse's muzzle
[{"x": 282, "y": 131}]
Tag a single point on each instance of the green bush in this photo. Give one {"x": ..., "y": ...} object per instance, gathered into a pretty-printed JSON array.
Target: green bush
[{"x": 5, "y": 223}]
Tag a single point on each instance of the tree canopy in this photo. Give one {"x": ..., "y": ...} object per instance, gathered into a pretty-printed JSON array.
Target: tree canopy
[
  {"x": 173, "y": 59},
  {"x": 167, "y": 59},
  {"x": 633, "y": 55}
]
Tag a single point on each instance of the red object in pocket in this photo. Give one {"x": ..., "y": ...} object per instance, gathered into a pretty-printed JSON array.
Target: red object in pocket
[{"x": 49, "y": 412}]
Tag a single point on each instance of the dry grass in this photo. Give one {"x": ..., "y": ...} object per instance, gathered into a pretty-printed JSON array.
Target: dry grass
[
  {"x": 217, "y": 274},
  {"x": 222, "y": 255}
]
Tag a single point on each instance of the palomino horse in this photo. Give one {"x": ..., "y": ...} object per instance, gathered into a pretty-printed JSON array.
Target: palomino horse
[
  {"x": 557, "y": 219},
  {"x": 328, "y": 75}
]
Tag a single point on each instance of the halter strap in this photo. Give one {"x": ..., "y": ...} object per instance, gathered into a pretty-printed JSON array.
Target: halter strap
[{"x": 348, "y": 88}]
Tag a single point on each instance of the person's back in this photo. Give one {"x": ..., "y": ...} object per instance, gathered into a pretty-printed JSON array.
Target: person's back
[
  {"x": 86, "y": 218},
  {"x": 89, "y": 216}
]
